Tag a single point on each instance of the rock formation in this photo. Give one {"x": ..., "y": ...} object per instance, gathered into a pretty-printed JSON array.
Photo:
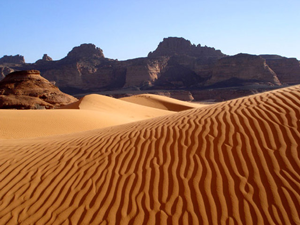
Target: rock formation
[
  {"x": 187, "y": 64},
  {"x": 180, "y": 46},
  {"x": 46, "y": 58},
  {"x": 176, "y": 64},
  {"x": 242, "y": 69},
  {"x": 287, "y": 69},
  {"x": 85, "y": 51},
  {"x": 17, "y": 59},
  {"x": 29, "y": 90},
  {"x": 4, "y": 71},
  {"x": 143, "y": 72}
]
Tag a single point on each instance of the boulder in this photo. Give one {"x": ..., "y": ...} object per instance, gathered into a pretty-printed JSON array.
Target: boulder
[{"x": 27, "y": 89}]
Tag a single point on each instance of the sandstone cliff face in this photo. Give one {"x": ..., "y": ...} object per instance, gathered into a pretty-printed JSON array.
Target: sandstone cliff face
[
  {"x": 29, "y": 90},
  {"x": 242, "y": 69},
  {"x": 287, "y": 69},
  {"x": 143, "y": 72},
  {"x": 85, "y": 69},
  {"x": 187, "y": 64}
]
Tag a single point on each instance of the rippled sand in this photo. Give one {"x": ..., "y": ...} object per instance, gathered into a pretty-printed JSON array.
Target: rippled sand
[{"x": 235, "y": 162}]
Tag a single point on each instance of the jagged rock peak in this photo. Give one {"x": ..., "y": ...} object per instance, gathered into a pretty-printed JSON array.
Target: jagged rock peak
[
  {"x": 46, "y": 58},
  {"x": 180, "y": 46},
  {"x": 16, "y": 59},
  {"x": 86, "y": 50}
]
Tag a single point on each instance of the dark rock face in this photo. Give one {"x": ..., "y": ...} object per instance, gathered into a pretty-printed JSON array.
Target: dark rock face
[
  {"x": 287, "y": 69},
  {"x": 27, "y": 89},
  {"x": 177, "y": 76},
  {"x": 176, "y": 64},
  {"x": 86, "y": 75},
  {"x": 187, "y": 64},
  {"x": 242, "y": 68},
  {"x": 17, "y": 59}
]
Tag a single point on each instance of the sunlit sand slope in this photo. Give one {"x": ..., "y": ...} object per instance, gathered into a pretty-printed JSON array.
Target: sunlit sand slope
[
  {"x": 91, "y": 112},
  {"x": 235, "y": 162},
  {"x": 161, "y": 102}
]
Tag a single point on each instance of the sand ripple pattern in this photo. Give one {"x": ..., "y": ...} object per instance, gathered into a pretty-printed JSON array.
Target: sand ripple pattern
[{"x": 235, "y": 162}]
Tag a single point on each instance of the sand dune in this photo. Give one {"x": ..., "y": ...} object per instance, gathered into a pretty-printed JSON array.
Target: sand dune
[
  {"x": 162, "y": 102},
  {"x": 235, "y": 162},
  {"x": 91, "y": 112}
]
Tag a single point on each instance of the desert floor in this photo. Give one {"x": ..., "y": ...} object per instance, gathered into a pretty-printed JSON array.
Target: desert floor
[{"x": 153, "y": 160}]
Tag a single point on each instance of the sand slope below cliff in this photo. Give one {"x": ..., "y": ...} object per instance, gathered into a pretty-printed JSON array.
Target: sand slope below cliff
[{"x": 235, "y": 162}]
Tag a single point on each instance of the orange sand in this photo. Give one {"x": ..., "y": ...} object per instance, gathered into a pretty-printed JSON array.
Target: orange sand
[
  {"x": 235, "y": 162},
  {"x": 95, "y": 112},
  {"x": 161, "y": 102}
]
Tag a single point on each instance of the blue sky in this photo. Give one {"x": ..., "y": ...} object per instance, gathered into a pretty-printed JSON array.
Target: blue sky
[{"x": 131, "y": 29}]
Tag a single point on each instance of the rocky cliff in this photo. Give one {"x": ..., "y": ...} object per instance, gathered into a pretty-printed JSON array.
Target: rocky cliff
[
  {"x": 84, "y": 69},
  {"x": 175, "y": 64},
  {"x": 242, "y": 69},
  {"x": 287, "y": 69}
]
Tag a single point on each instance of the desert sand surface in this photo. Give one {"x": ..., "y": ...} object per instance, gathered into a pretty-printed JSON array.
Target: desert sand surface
[
  {"x": 162, "y": 102},
  {"x": 235, "y": 162},
  {"x": 90, "y": 112}
]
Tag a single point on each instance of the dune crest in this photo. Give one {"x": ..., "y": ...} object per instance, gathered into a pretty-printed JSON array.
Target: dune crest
[
  {"x": 90, "y": 112},
  {"x": 162, "y": 102},
  {"x": 235, "y": 162}
]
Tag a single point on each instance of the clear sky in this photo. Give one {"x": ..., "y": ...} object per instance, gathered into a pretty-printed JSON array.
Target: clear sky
[{"x": 132, "y": 28}]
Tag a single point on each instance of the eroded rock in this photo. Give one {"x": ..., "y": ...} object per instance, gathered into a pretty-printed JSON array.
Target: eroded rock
[{"x": 27, "y": 89}]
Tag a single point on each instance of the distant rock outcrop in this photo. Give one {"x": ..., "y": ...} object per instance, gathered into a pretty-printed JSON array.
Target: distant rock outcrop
[
  {"x": 46, "y": 58},
  {"x": 180, "y": 46},
  {"x": 16, "y": 59},
  {"x": 143, "y": 72},
  {"x": 287, "y": 69},
  {"x": 176, "y": 64},
  {"x": 85, "y": 51},
  {"x": 242, "y": 69},
  {"x": 84, "y": 69},
  {"x": 187, "y": 64},
  {"x": 29, "y": 90},
  {"x": 4, "y": 71}
]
